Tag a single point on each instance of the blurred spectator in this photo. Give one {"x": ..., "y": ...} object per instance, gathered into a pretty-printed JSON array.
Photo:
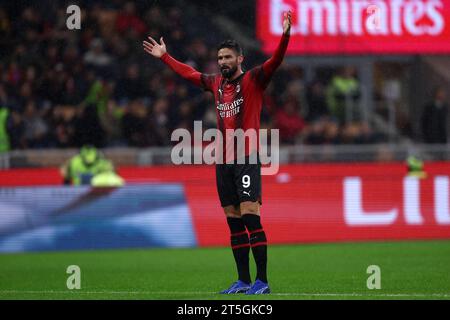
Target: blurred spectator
[
  {"x": 131, "y": 86},
  {"x": 159, "y": 121},
  {"x": 342, "y": 95},
  {"x": 350, "y": 133},
  {"x": 289, "y": 122},
  {"x": 331, "y": 133},
  {"x": 367, "y": 135},
  {"x": 97, "y": 58},
  {"x": 14, "y": 74},
  {"x": 135, "y": 125},
  {"x": 313, "y": 134},
  {"x": 129, "y": 22},
  {"x": 72, "y": 95},
  {"x": 88, "y": 129},
  {"x": 316, "y": 100},
  {"x": 4, "y": 99},
  {"x": 35, "y": 128},
  {"x": 5, "y": 24},
  {"x": 63, "y": 122},
  {"x": 98, "y": 95},
  {"x": 16, "y": 130},
  {"x": 435, "y": 118},
  {"x": 111, "y": 123}
]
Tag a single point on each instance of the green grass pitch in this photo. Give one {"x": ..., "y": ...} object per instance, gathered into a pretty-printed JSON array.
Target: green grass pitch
[{"x": 409, "y": 270}]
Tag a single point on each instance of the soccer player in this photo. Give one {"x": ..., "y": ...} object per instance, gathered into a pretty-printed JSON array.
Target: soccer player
[{"x": 238, "y": 95}]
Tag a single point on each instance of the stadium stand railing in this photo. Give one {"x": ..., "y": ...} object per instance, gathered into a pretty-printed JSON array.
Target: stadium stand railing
[{"x": 287, "y": 154}]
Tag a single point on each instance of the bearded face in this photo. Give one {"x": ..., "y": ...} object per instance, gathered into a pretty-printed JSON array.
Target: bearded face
[{"x": 228, "y": 61}]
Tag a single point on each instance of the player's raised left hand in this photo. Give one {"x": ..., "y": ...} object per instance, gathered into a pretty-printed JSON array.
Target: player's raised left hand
[
  {"x": 154, "y": 48},
  {"x": 287, "y": 22}
]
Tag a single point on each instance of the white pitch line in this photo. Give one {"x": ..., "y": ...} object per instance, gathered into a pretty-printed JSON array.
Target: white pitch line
[
  {"x": 443, "y": 295},
  {"x": 418, "y": 295},
  {"x": 101, "y": 292}
]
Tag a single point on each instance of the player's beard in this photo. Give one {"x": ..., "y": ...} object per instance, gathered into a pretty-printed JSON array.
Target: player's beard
[{"x": 228, "y": 72}]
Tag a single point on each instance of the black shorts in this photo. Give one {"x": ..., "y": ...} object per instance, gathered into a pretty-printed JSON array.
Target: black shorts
[{"x": 238, "y": 183}]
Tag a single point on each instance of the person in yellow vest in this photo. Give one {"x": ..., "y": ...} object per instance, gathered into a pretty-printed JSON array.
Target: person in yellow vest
[
  {"x": 4, "y": 137},
  {"x": 90, "y": 167},
  {"x": 415, "y": 167},
  {"x": 342, "y": 89}
]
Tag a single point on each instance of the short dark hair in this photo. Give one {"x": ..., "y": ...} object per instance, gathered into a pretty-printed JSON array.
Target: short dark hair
[{"x": 231, "y": 44}]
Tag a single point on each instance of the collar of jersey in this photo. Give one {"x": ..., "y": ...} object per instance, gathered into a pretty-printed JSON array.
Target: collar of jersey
[{"x": 235, "y": 80}]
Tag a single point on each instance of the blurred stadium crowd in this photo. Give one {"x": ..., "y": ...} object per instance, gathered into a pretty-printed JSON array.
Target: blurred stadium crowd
[{"x": 64, "y": 88}]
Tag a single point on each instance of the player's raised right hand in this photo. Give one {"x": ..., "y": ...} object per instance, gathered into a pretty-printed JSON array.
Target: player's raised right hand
[{"x": 154, "y": 48}]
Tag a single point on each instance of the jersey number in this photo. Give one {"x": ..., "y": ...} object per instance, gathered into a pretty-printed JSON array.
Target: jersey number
[{"x": 246, "y": 181}]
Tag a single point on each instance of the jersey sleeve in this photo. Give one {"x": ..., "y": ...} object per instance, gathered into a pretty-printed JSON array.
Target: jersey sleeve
[
  {"x": 208, "y": 81},
  {"x": 184, "y": 70},
  {"x": 263, "y": 74},
  {"x": 257, "y": 74}
]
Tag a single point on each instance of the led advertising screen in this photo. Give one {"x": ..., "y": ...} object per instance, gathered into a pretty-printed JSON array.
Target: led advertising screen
[{"x": 357, "y": 26}]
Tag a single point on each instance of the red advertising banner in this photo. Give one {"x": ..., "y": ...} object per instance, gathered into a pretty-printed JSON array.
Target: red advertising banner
[
  {"x": 357, "y": 26},
  {"x": 306, "y": 202}
]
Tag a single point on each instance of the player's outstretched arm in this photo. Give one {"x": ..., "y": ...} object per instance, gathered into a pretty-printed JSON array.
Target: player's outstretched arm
[
  {"x": 275, "y": 61},
  {"x": 159, "y": 50}
]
